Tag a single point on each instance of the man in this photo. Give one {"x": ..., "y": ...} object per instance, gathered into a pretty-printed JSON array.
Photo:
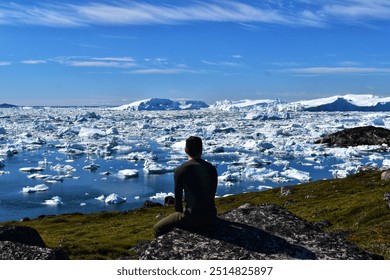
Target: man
[{"x": 198, "y": 179}]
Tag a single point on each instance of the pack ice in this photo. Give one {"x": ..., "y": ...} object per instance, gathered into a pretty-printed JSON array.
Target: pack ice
[{"x": 255, "y": 144}]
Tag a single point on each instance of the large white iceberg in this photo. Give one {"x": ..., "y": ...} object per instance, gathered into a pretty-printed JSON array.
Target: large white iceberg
[
  {"x": 114, "y": 199},
  {"x": 37, "y": 188},
  {"x": 128, "y": 173}
]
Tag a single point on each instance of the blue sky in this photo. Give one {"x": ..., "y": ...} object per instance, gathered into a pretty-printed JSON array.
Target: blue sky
[{"x": 115, "y": 52}]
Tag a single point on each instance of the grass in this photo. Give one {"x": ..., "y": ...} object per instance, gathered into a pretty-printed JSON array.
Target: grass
[{"x": 353, "y": 205}]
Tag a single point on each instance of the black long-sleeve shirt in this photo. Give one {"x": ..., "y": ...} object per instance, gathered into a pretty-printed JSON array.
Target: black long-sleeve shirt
[{"x": 199, "y": 179}]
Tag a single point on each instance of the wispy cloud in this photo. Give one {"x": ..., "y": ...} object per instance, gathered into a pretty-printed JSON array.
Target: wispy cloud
[
  {"x": 222, "y": 63},
  {"x": 5, "y": 63},
  {"x": 34, "y": 61},
  {"x": 158, "y": 65},
  {"x": 120, "y": 13},
  {"x": 338, "y": 70},
  {"x": 62, "y": 14},
  {"x": 84, "y": 61},
  {"x": 358, "y": 9},
  {"x": 162, "y": 71}
]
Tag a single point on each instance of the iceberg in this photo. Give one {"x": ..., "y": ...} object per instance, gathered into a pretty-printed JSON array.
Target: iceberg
[
  {"x": 152, "y": 167},
  {"x": 161, "y": 195},
  {"x": 114, "y": 199},
  {"x": 128, "y": 173},
  {"x": 31, "y": 169},
  {"x": 37, "y": 188},
  {"x": 54, "y": 201},
  {"x": 162, "y": 104}
]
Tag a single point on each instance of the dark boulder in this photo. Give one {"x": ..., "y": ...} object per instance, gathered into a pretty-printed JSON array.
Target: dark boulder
[
  {"x": 260, "y": 232},
  {"x": 169, "y": 200},
  {"x": 21, "y": 234},
  {"x": 149, "y": 204},
  {"x": 366, "y": 135},
  {"x": 25, "y": 243}
]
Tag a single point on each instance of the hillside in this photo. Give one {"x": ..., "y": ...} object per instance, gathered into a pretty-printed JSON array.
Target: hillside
[{"x": 353, "y": 207}]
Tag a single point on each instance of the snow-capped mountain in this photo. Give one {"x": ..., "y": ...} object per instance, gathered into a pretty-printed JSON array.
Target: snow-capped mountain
[
  {"x": 6, "y": 105},
  {"x": 162, "y": 104},
  {"x": 248, "y": 104},
  {"x": 349, "y": 102}
]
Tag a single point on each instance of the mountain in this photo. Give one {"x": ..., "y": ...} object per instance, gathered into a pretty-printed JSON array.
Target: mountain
[
  {"x": 349, "y": 102},
  {"x": 5, "y": 105},
  {"x": 154, "y": 104},
  {"x": 248, "y": 104}
]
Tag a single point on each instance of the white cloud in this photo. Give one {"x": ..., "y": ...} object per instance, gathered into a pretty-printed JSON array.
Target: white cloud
[
  {"x": 295, "y": 13},
  {"x": 222, "y": 63},
  {"x": 141, "y": 12},
  {"x": 34, "y": 61},
  {"x": 338, "y": 70},
  {"x": 5, "y": 63},
  {"x": 358, "y": 9},
  {"x": 85, "y": 61},
  {"x": 162, "y": 71}
]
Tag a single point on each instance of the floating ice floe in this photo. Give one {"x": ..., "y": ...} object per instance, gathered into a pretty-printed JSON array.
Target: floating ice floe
[
  {"x": 114, "y": 199},
  {"x": 37, "y": 188},
  {"x": 101, "y": 197},
  {"x": 386, "y": 163},
  {"x": 128, "y": 173},
  {"x": 38, "y": 176},
  {"x": 343, "y": 170},
  {"x": 93, "y": 133},
  {"x": 161, "y": 195},
  {"x": 31, "y": 169},
  {"x": 54, "y": 201},
  {"x": 92, "y": 167},
  {"x": 152, "y": 167},
  {"x": 66, "y": 169},
  {"x": 299, "y": 175}
]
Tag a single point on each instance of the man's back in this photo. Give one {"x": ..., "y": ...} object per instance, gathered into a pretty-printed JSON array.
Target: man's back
[{"x": 199, "y": 180}]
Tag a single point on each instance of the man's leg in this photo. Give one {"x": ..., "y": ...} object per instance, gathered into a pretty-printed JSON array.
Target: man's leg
[{"x": 168, "y": 223}]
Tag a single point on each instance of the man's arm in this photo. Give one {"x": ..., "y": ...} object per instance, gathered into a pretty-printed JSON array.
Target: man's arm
[{"x": 178, "y": 191}]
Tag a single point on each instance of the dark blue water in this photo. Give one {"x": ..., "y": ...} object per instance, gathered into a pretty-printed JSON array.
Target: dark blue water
[{"x": 78, "y": 193}]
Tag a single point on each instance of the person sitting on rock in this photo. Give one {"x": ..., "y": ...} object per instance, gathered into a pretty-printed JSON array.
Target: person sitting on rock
[{"x": 198, "y": 179}]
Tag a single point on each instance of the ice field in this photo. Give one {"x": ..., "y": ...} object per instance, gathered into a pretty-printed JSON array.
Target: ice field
[{"x": 81, "y": 159}]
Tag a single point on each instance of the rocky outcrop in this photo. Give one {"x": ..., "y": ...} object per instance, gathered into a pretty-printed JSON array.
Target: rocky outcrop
[
  {"x": 25, "y": 243},
  {"x": 366, "y": 135},
  {"x": 267, "y": 231}
]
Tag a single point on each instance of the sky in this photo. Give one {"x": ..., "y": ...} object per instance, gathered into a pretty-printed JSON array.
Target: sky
[{"x": 115, "y": 52}]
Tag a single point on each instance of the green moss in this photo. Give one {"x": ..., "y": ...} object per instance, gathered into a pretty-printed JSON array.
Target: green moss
[{"x": 354, "y": 205}]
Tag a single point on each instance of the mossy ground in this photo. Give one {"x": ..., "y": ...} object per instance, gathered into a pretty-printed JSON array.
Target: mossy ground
[{"x": 354, "y": 205}]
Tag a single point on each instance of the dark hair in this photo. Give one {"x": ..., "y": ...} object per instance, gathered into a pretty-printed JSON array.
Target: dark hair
[{"x": 194, "y": 146}]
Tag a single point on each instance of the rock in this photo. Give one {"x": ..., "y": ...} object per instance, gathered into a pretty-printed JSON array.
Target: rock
[
  {"x": 385, "y": 175},
  {"x": 259, "y": 232},
  {"x": 322, "y": 224},
  {"x": 25, "y": 243},
  {"x": 17, "y": 251},
  {"x": 286, "y": 191},
  {"x": 169, "y": 200},
  {"x": 366, "y": 135},
  {"x": 21, "y": 234},
  {"x": 149, "y": 204},
  {"x": 386, "y": 197}
]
